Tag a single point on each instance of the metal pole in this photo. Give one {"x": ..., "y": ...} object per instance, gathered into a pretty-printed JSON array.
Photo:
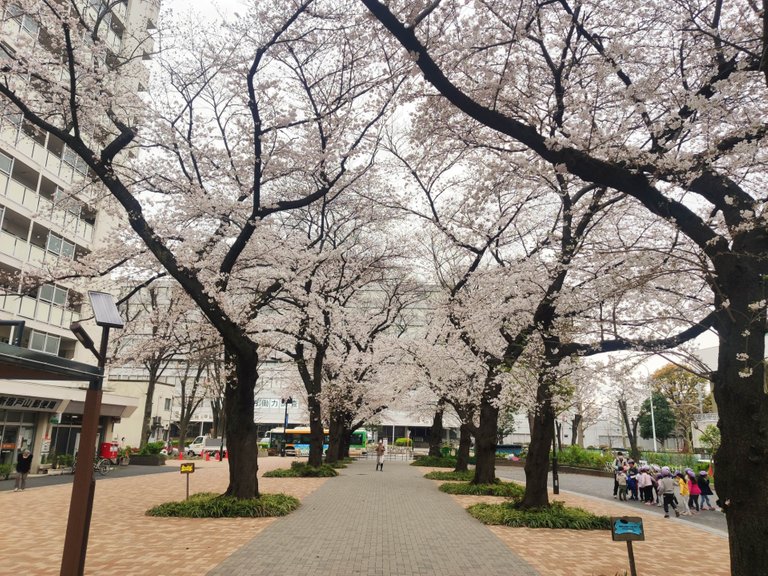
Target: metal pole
[
  {"x": 555, "y": 477},
  {"x": 653, "y": 422},
  {"x": 631, "y": 554},
  {"x": 84, "y": 485}
]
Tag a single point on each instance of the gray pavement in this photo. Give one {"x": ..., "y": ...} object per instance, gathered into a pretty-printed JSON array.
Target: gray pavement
[{"x": 373, "y": 523}]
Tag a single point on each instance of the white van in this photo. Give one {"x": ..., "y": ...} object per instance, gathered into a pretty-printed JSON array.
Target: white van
[{"x": 204, "y": 444}]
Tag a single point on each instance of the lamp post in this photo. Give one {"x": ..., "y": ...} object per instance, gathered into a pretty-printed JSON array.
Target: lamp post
[
  {"x": 285, "y": 402},
  {"x": 653, "y": 420},
  {"x": 84, "y": 485}
]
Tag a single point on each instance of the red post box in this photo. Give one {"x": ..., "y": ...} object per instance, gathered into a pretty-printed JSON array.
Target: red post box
[{"x": 109, "y": 450}]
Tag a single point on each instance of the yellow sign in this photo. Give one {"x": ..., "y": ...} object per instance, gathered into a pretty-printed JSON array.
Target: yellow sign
[{"x": 187, "y": 468}]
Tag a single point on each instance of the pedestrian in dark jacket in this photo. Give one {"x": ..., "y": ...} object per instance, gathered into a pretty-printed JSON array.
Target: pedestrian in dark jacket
[
  {"x": 706, "y": 491},
  {"x": 23, "y": 466}
]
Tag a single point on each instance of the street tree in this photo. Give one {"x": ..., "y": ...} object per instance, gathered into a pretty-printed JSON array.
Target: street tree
[
  {"x": 685, "y": 392},
  {"x": 682, "y": 136},
  {"x": 247, "y": 120},
  {"x": 657, "y": 421}
]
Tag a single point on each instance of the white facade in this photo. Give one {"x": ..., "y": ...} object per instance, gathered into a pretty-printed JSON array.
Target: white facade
[{"x": 45, "y": 222}]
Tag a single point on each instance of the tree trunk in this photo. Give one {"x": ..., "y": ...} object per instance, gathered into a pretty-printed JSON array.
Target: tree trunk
[
  {"x": 559, "y": 435},
  {"x": 631, "y": 430},
  {"x": 436, "y": 431},
  {"x": 575, "y": 427},
  {"x": 485, "y": 438},
  {"x": 344, "y": 442},
  {"x": 742, "y": 400},
  {"x": 146, "y": 423},
  {"x": 537, "y": 461},
  {"x": 316, "y": 431},
  {"x": 241, "y": 433},
  {"x": 335, "y": 434},
  {"x": 465, "y": 442}
]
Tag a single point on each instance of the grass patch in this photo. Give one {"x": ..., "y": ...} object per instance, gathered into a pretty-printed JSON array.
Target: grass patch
[
  {"x": 556, "y": 516},
  {"x": 303, "y": 470},
  {"x": 435, "y": 461},
  {"x": 505, "y": 489},
  {"x": 210, "y": 505},
  {"x": 441, "y": 475}
]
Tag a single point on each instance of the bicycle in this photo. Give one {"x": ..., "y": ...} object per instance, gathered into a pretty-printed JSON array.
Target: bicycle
[{"x": 100, "y": 465}]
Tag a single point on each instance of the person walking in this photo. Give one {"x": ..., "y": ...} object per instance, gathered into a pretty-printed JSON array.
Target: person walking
[
  {"x": 23, "y": 465},
  {"x": 693, "y": 488},
  {"x": 706, "y": 490},
  {"x": 380, "y": 450},
  {"x": 667, "y": 490},
  {"x": 618, "y": 466},
  {"x": 684, "y": 493},
  {"x": 621, "y": 478}
]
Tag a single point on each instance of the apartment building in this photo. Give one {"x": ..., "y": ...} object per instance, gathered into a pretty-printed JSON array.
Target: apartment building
[{"x": 47, "y": 221}]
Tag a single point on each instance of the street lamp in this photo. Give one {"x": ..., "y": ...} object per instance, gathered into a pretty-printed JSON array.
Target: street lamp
[
  {"x": 285, "y": 402},
  {"x": 81, "y": 504},
  {"x": 653, "y": 420}
]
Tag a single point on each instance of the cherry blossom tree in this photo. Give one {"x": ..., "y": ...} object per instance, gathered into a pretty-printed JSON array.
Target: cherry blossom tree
[
  {"x": 660, "y": 102},
  {"x": 246, "y": 120}
]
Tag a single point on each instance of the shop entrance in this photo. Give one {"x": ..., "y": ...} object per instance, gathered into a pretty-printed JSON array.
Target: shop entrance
[{"x": 16, "y": 434}]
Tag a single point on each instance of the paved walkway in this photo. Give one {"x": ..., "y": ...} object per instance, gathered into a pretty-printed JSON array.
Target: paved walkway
[{"x": 376, "y": 523}]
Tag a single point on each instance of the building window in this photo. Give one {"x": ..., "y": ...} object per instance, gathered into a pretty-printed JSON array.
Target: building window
[
  {"x": 167, "y": 404},
  {"x": 48, "y": 343},
  {"x": 6, "y": 164},
  {"x": 53, "y": 294},
  {"x": 60, "y": 246}
]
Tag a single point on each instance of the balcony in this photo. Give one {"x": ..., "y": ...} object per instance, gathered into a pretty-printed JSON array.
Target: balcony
[{"x": 27, "y": 307}]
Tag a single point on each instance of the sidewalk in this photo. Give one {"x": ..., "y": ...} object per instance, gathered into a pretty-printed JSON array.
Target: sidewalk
[
  {"x": 364, "y": 522},
  {"x": 378, "y": 524}
]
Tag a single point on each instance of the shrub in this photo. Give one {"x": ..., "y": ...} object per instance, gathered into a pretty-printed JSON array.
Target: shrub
[
  {"x": 435, "y": 461},
  {"x": 504, "y": 489},
  {"x": 403, "y": 442},
  {"x": 209, "y": 505},
  {"x": 578, "y": 456},
  {"x": 5, "y": 471},
  {"x": 302, "y": 470},
  {"x": 671, "y": 459},
  {"x": 152, "y": 448},
  {"x": 64, "y": 460},
  {"x": 555, "y": 516},
  {"x": 440, "y": 475}
]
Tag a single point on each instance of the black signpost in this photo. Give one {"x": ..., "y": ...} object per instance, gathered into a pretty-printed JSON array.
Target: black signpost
[
  {"x": 628, "y": 529},
  {"x": 187, "y": 469}
]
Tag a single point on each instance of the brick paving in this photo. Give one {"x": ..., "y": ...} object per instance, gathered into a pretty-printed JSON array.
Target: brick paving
[
  {"x": 363, "y": 522},
  {"x": 670, "y": 545},
  {"x": 378, "y": 524},
  {"x": 123, "y": 541}
]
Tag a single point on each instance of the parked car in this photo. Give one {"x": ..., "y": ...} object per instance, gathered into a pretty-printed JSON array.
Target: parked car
[{"x": 203, "y": 444}]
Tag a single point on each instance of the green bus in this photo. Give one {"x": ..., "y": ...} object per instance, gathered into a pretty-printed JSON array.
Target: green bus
[{"x": 296, "y": 441}]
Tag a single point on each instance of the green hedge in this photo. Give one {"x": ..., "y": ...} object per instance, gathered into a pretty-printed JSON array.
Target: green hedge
[
  {"x": 671, "y": 459},
  {"x": 555, "y": 516},
  {"x": 436, "y": 461},
  {"x": 209, "y": 505},
  {"x": 504, "y": 489},
  {"x": 152, "y": 448},
  {"x": 403, "y": 442},
  {"x": 302, "y": 470},
  {"x": 5, "y": 471},
  {"x": 578, "y": 456},
  {"x": 441, "y": 475}
]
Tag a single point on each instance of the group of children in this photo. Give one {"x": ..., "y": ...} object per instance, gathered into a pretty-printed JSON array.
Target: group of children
[{"x": 663, "y": 487}]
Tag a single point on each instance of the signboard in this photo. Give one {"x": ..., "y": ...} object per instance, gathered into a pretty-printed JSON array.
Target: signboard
[
  {"x": 187, "y": 468},
  {"x": 27, "y": 403},
  {"x": 627, "y": 528}
]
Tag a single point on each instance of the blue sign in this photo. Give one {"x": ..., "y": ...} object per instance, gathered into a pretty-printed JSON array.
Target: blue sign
[{"x": 627, "y": 528}]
